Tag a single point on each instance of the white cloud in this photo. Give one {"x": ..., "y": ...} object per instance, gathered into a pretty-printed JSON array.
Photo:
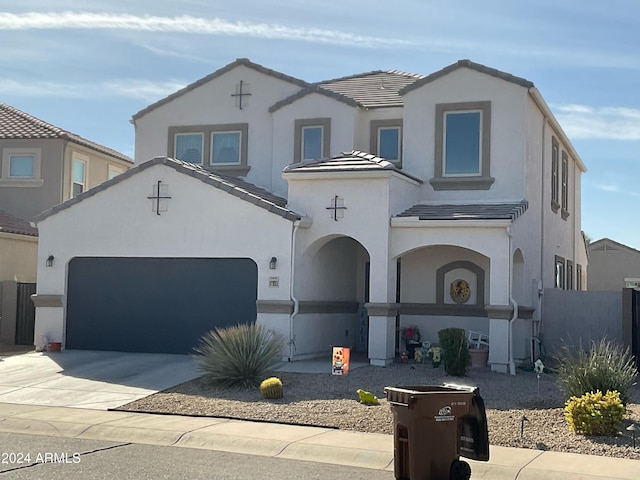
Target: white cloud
[
  {"x": 604, "y": 123},
  {"x": 614, "y": 188},
  {"x": 136, "y": 89},
  {"x": 188, "y": 25}
]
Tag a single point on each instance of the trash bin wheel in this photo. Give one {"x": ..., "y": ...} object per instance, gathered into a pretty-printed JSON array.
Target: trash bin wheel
[{"x": 459, "y": 471}]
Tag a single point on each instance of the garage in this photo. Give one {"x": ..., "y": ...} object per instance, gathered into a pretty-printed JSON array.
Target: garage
[{"x": 155, "y": 305}]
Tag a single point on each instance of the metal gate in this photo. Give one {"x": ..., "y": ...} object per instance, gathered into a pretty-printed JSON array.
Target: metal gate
[{"x": 25, "y": 314}]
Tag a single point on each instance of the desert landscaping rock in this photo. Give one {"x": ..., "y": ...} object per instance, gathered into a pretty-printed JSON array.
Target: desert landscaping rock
[{"x": 331, "y": 401}]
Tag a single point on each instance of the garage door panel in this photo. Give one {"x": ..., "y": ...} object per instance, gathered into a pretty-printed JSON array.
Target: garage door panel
[{"x": 156, "y": 304}]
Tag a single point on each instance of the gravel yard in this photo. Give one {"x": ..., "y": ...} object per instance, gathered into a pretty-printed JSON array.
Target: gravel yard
[{"x": 331, "y": 401}]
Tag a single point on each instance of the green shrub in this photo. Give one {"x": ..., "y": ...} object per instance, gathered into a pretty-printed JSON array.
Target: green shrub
[
  {"x": 605, "y": 367},
  {"x": 595, "y": 413},
  {"x": 239, "y": 356},
  {"x": 456, "y": 355}
]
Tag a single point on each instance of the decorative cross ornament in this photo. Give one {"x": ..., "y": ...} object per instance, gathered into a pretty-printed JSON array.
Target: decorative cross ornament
[
  {"x": 337, "y": 208},
  {"x": 159, "y": 197},
  {"x": 239, "y": 93}
]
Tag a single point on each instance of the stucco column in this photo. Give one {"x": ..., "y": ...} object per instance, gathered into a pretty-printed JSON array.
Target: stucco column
[
  {"x": 382, "y": 328},
  {"x": 49, "y": 320},
  {"x": 499, "y": 316},
  {"x": 382, "y": 310},
  {"x": 275, "y": 315}
]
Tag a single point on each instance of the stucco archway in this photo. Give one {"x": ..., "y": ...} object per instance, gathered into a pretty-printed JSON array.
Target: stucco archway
[{"x": 331, "y": 288}]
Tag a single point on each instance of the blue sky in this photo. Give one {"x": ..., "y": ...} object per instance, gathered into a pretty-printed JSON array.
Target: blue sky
[{"x": 88, "y": 66}]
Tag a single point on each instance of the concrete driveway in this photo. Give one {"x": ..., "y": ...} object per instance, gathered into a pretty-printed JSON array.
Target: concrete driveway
[{"x": 90, "y": 379}]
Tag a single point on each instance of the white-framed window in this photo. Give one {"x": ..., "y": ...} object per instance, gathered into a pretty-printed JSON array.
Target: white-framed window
[
  {"x": 221, "y": 147},
  {"x": 578, "y": 277},
  {"x": 555, "y": 162},
  {"x": 189, "y": 147},
  {"x": 225, "y": 148},
  {"x": 386, "y": 140},
  {"x": 312, "y": 139},
  {"x": 311, "y": 147},
  {"x": 78, "y": 177},
  {"x": 559, "y": 281},
  {"x": 114, "y": 171},
  {"x": 565, "y": 186},
  {"x": 462, "y": 143},
  {"x": 462, "y": 146},
  {"x": 21, "y": 167},
  {"x": 389, "y": 143}
]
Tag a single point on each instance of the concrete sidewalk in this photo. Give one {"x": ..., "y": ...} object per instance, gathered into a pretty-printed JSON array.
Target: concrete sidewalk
[{"x": 365, "y": 450}]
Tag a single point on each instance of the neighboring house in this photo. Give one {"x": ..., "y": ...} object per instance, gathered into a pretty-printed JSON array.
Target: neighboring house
[
  {"x": 41, "y": 166},
  {"x": 613, "y": 266},
  {"x": 18, "y": 255},
  {"x": 473, "y": 211}
]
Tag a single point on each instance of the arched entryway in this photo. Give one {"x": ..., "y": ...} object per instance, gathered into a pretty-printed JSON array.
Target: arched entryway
[{"x": 331, "y": 287}]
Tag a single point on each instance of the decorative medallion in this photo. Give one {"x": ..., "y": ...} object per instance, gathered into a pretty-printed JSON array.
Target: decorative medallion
[
  {"x": 242, "y": 90},
  {"x": 337, "y": 208},
  {"x": 460, "y": 291},
  {"x": 159, "y": 197}
]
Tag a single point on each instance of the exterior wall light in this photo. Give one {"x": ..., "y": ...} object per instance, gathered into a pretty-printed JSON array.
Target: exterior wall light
[
  {"x": 272, "y": 263},
  {"x": 50, "y": 261}
]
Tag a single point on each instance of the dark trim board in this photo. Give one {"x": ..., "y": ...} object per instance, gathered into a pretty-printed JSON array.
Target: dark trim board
[{"x": 155, "y": 305}]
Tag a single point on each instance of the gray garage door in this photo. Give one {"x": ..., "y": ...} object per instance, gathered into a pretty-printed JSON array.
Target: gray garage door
[{"x": 156, "y": 305}]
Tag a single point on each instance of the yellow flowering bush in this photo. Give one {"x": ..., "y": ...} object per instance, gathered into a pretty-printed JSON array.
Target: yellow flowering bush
[{"x": 594, "y": 413}]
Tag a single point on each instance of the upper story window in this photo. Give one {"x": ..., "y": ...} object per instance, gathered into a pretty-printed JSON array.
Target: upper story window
[
  {"x": 555, "y": 162},
  {"x": 463, "y": 146},
  {"x": 220, "y": 147},
  {"x": 565, "y": 186},
  {"x": 312, "y": 139},
  {"x": 114, "y": 171},
  {"x": 386, "y": 140},
  {"x": 312, "y": 142},
  {"x": 21, "y": 167},
  {"x": 462, "y": 143},
  {"x": 189, "y": 147},
  {"x": 79, "y": 177},
  {"x": 225, "y": 147}
]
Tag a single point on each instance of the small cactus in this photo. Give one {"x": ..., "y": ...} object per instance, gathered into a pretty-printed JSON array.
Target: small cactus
[{"x": 271, "y": 388}]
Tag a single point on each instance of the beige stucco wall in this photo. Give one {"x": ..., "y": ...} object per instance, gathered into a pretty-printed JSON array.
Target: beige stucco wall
[
  {"x": 27, "y": 201},
  {"x": 609, "y": 267},
  {"x": 18, "y": 257}
]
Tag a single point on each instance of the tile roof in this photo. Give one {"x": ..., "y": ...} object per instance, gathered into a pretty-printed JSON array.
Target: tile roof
[
  {"x": 467, "y": 64},
  {"x": 377, "y": 89},
  {"x": 239, "y": 61},
  {"x": 475, "y": 211},
  {"x": 16, "y": 124},
  {"x": 12, "y": 224},
  {"x": 232, "y": 185},
  {"x": 354, "y": 161}
]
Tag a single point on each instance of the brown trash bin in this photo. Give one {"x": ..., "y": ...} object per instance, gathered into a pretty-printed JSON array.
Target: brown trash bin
[{"x": 433, "y": 426}]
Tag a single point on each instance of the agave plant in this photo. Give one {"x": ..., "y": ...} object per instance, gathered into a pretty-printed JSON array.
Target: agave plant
[
  {"x": 239, "y": 356},
  {"x": 606, "y": 366}
]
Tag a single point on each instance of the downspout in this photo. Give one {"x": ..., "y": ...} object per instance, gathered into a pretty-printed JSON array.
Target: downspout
[
  {"x": 537, "y": 331},
  {"x": 514, "y": 304},
  {"x": 296, "y": 303}
]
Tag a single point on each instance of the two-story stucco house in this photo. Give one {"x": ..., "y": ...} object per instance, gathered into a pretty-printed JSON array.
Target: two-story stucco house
[
  {"x": 334, "y": 213},
  {"x": 41, "y": 166}
]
